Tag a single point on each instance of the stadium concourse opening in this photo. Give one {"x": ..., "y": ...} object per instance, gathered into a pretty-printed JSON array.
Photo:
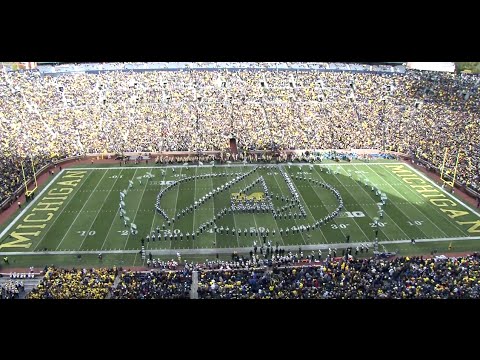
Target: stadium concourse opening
[
  {"x": 233, "y": 146},
  {"x": 191, "y": 130}
]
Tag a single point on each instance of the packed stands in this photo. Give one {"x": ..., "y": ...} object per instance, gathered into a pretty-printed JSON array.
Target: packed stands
[
  {"x": 154, "y": 285},
  {"x": 74, "y": 284},
  {"x": 418, "y": 113},
  {"x": 334, "y": 278},
  {"x": 399, "y": 278}
]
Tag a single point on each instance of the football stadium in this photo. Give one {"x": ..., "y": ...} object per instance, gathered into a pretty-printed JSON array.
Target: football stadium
[{"x": 239, "y": 181}]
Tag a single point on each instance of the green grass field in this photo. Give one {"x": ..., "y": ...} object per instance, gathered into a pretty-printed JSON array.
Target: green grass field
[{"x": 78, "y": 212}]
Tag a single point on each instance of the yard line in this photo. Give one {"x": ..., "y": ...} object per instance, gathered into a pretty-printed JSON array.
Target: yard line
[
  {"x": 138, "y": 206},
  {"x": 135, "y": 258},
  {"x": 235, "y": 222},
  {"x": 443, "y": 190},
  {"x": 65, "y": 206},
  {"x": 306, "y": 206},
  {"x": 335, "y": 219},
  {"x": 175, "y": 209},
  {"x": 395, "y": 204},
  {"x": 76, "y": 217},
  {"x": 33, "y": 202},
  {"x": 309, "y": 207},
  {"x": 116, "y": 212},
  {"x": 288, "y": 195},
  {"x": 415, "y": 206},
  {"x": 329, "y": 208},
  {"x": 154, "y": 216},
  {"x": 202, "y": 209},
  {"x": 213, "y": 208},
  {"x": 254, "y": 220},
  {"x": 98, "y": 212},
  {"x": 194, "y": 199},
  {"x": 425, "y": 215},
  {"x": 113, "y": 220},
  {"x": 385, "y": 213}
]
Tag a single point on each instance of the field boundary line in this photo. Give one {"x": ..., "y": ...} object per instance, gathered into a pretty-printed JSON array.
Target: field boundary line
[
  {"x": 443, "y": 190},
  {"x": 235, "y": 224},
  {"x": 154, "y": 216},
  {"x": 436, "y": 209},
  {"x": 304, "y": 202},
  {"x": 210, "y": 251},
  {"x": 363, "y": 209},
  {"x": 65, "y": 206},
  {"x": 276, "y": 222},
  {"x": 79, "y": 212},
  {"x": 257, "y": 229},
  {"x": 213, "y": 208},
  {"x": 26, "y": 208},
  {"x": 385, "y": 212},
  {"x": 178, "y": 183},
  {"x": 335, "y": 219},
  {"x": 115, "y": 216},
  {"x": 413, "y": 204},
  {"x": 194, "y": 199},
  {"x": 136, "y": 212},
  {"x": 394, "y": 204}
]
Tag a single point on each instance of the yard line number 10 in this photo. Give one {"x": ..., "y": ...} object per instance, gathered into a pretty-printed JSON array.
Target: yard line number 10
[{"x": 354, "y": 214}]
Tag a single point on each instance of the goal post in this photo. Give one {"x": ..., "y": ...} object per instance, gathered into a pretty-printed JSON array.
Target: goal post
[
  {"x": 442, "y": 173},
  {"x": 29, "y": 192}
]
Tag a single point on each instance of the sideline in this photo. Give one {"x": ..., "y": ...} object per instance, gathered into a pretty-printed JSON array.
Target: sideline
[
  {"x": 244, "y": 249},
  {"x": 26, "y": 208}
]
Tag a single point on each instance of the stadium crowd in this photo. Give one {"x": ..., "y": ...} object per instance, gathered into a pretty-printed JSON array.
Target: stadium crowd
[
  {"x": 74, "y": 284},
  {"x": 418, "y": 113},
  {"x": 11, "y": 176},
  {"x": 399, "y": 278},
  {"x": 334, "y": 278},
  {"x": 154, "y": 285},
  {"x": 11, "y": 289}
]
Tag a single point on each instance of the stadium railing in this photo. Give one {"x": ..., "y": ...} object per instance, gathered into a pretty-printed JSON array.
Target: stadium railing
[
  {"x": 215, "y": 66},
  {"x": 250, "y": 152}
]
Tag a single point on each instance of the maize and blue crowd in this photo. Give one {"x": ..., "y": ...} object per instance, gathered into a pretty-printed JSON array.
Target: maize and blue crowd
[
  {"x": 419, "y": 113},
  {"x": 332, "y": 278}
]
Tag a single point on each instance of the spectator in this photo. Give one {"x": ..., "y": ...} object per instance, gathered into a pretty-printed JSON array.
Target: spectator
[
  {"x": 154, "y": 285},
  {"x": 74, "y": 284},
  {"x": 399, "y": 278},
  {"x": 11, "y": 289},
  {"x": 421, "y": 114}
]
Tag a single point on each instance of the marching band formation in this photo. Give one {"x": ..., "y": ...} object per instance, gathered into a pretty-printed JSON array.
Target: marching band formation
[{"x": 257, "y": 203}]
